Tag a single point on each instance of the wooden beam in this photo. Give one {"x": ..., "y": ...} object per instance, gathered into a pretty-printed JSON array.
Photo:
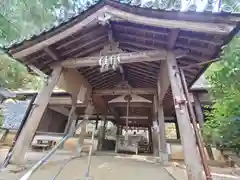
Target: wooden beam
[
  {"x": 188, "y": 139},
  {"x": 60, "y": 109},
  {"x": 133, "y": 104},
  {"x": 173, "y": 38},
  {"x": 67, "y": 100},
  {"x": 72, "y": 81},
  {"x": 213, "y": 28},
  {"x": 40, "y": 104},
  {"x": 51, "y": 53},
  {"x": 152, "y": 55},
  {"x": 113, "y": 91}
]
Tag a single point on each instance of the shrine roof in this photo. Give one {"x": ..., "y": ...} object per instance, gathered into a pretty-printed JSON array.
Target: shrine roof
[
  {"x": 183, "y": 6},
  {"x": 135, "y": 26}
]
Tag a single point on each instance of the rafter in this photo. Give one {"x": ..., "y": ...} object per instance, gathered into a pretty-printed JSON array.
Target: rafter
[{"x": 216, "y": 42}]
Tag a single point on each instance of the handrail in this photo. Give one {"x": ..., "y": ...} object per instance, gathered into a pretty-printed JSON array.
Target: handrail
[{"x": 31, "y": 171}]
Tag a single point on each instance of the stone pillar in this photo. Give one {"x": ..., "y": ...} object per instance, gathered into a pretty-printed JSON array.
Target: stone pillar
[
  {"x": 88, "y": 112},
  {"x": 191, "y": 156},
  {"x": 40, "y": 104},
  {"x": 81, "y": 138},
  {"x": 155, "y": 138},
  {"x": 101, "y": 136}
]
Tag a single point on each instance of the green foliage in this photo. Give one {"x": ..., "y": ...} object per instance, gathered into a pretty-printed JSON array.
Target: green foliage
[
  {"x": 223, "y": 122},
  {"x": 1, "y": 118},
  {"x": 14, "y": 75},
  {"x": 23, "y": 18},
  {"x": 20, "y": 19}
]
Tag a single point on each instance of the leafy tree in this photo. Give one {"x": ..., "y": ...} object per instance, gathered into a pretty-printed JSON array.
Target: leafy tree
[
  {"x": 223, "y": 122},
  {"x": 20, "y": 19},
  {"x": 14, "y": 75}
]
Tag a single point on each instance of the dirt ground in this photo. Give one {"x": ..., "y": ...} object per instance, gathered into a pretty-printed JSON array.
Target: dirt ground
[{"x": 104, "y": 166}]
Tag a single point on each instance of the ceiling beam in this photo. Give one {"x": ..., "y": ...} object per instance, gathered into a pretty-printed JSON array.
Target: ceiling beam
[
  {"x": 151, "y": 55},
  {"x": 60, "y": 109},
  {"x": 64, "y": 101},
  {"x": 115, "y": 91}
]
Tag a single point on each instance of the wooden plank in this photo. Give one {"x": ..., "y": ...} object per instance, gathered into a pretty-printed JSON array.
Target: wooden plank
[
  {"x": 198, "y": 110},
  {"x": 60, "y": 109},
  {"x": 213, "y": 28},
  {"x": 34, "y": 118},
  {"x": 191, "y": 155},
  {"x": 152, "y": 55}
]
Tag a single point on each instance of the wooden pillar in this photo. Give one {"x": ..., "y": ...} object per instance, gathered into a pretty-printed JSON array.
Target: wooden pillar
[
  {"x": 198, "y": 110},
  {"x": 150, "y": 140},
  {"x": 191, "y": 156},
  {"x": 118, "y": 130},
  {"x": 97, "y": 120},
  {"x": 177, "y": 130},
  {"x": 34, "y": 118},
  {"x": 200, "y": 118},
  {"x": 162, "y": 145},
  {"x": 160, "y": 117}
]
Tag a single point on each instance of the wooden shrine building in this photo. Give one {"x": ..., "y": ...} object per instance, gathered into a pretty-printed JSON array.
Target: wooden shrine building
[{"x": 151, "y": 49}]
